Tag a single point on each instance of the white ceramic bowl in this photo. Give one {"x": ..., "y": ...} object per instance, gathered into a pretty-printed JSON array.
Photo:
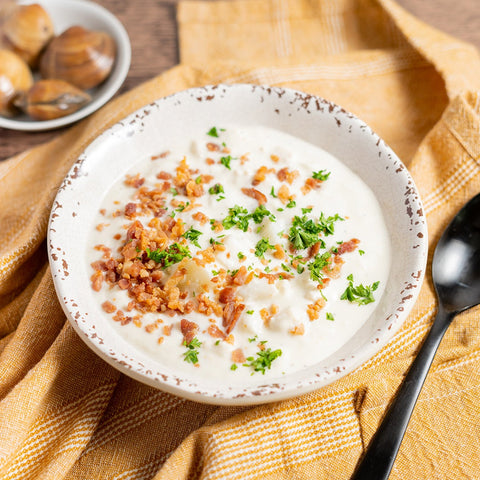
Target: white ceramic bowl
[
  {"x": 310, "y": 118},
  {"x": 64, "y": 14}
]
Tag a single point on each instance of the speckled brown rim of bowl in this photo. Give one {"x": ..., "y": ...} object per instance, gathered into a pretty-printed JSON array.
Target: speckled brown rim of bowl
[{"x": 309, "y": 117}]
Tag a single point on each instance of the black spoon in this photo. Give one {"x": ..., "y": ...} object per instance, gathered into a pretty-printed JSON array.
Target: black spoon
[{"x": 456, "y": 277}]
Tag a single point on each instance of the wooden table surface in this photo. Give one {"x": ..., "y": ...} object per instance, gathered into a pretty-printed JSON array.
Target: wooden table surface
[{"x": 152, "y": 29}]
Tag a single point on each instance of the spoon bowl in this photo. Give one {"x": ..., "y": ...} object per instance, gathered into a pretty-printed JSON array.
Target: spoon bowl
[
  {"x": 456, "y": 277},
  {"x": 456, "y": 262}
]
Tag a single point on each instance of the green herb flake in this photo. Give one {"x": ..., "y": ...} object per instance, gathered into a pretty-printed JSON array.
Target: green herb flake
[
  {"x": 360, "y": 294},
  {"x": 198, "y": 180},
  {"x": 304, "y": 233},
  {"x": 174, "y": 191},
  {"x": 191, "y": 355},
  {"x": 240, "y": 255},
  {"x": 225, "y": 161},
  {"x": 306, "y": 210},
  {"x": 237, "y": 217},
  {"x": 327, "y": 224},
  {"x": 272, "y": 192},
  {"x": 263, "y": 361},
  {"x": 216, "y": 189},
  {"x": 330, "y": 316},
  {"x": 317, "y": 265},
  {"x": 361, "y": 252},
  {"x": 213, "y": 132},
  {"x": 168, "y": 257},
  {"x": 291, "y": 204},
  {"x": 262, "y": 246},
  {"x": 253, "y": 339},
  {"x": 260, "y": 213},
  {"x": 321, "y": 175},
  {"x": 249, "y": 312},
  {"x": 217, "y": 342},
  {"x": 233, "y": 366},
  {"x": 193, "y": 235}
]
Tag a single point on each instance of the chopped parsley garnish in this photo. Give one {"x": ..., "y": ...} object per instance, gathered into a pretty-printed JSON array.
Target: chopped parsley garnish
[
  {"x": 225, "y": 161},
  {"x": 306, "y": 210},
  {"x": 291, "y": 204},
  {"x": 330, "y": 316},
  {"x": 237, "y": 217},
  {"x": 191, "y": 355},
  {"x": 260, "y": 213},
  {"x": 321, "y": 175},
  {"x": 173, "y": 191},
  {"x": 286, "y": 268},
  {"x": 193, "y": 235},
  {"x": 216, "y": 189},
  {"x": 198, "y": 179},
  {"x": 249, "y": 312},
  {"x": 217, "y": 342},
  {"x": 240, "y": 255},
  {"x": 213, "y": 132},
  {"x": 272, "y": 192},
  {"x": 327, "y": 223},
  {"x": 214, "y": 242},
  {"x": 361, "y": 252},
  {"x": 262, "y": 246},
  {"x": 182, "y": 207},
  {"x": 168, "y": 257},
  {"x": 361, "y": 294},
  {"x": 304, "y": 232},
  {"x": 263, "y": 361},
  {"x": 233, "y": 366},
  {"x": 252, "y": 339},
  {"x": 317, "y": 265}
]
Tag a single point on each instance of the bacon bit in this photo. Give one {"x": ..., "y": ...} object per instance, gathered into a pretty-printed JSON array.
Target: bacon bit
[
  {"x": 313, "y": 310},
  {"x": 266, "y": 316},
  {"x": 273, "y": 277},
  {"x": 178, "y": 229},
  {"x": 311, "y": 184},
  {"x": 167, "y": 330},
  {"x": 256, "y": 194},
  {"x": 135, "y": 181},
  {"x": 217, "y": 226},
  {"x": 297, "y": 329},
  {"x": 103, "y": 211},
  {"x": 194, "y": 189},
  {"x": 160, "y": 340},
  {"x": 313, "y": 250},
  {"x": 230, "y": 339},
  {"x": 119, "y": 316},
  {"x": 260, "y": 175},
  {"x": 183, "y": 174},
  {"x": 284, "y": 194},
  {"x": 231, "y": 314},
  {"x": 274, "y": 158},
  {"x": 164, "y": 175},
  {"x": 206, "y": 178},
  {"x": 242, "y": 276},
  {"x": 225, "y": 150},
  {"x": 109, "y": 307},
  {"x": 215, "y": 332},
  {"x": 117, "y": 236},
  {"x": 207, "y": 306},
  {"x": 227, "y": 295},
  {"x": 188, "y": 329},
  {"x": 323, "y": 283},
  {"x": 97, "y": 280},
  {"x": 209, "y": 161},
  {"x": 123, "y": 283},
  {"x": 334, "y": 272},
  {"x": 279, "y": 252},
  {"x": 160, "y": 155},
  {"x": 101, "y": 226},
  {"x": 200, "y": 217},
  {"x": 151, "y": 327},
  {"x": 347, "y": 247},
  {"x": 137, "y": 321},
  {"x": 238, "y": 356},
  {"x": 261, "y": 346},
  {"x": 244, "y": 158},
  {"x": 285, "y": 174},
  {"x": 213, "y": 147}
]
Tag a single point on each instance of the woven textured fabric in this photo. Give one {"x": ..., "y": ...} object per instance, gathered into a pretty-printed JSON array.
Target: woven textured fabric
[{"x": 66, "y": 414}]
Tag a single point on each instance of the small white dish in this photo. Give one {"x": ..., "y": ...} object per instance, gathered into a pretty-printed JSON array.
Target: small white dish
[
  {"x": 64, "y": 14},
  {"x": 142, "y": 135}
]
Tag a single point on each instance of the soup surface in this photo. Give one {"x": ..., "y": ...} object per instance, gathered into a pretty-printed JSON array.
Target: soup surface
[{"x": 239, "y": 252}]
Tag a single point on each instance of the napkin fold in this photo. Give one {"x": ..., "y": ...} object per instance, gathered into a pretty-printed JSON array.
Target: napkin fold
[{"x": 66, "y": 414}]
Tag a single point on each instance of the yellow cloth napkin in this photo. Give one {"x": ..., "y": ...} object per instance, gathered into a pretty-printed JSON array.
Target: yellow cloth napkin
[{"x": 65, "y": 414}]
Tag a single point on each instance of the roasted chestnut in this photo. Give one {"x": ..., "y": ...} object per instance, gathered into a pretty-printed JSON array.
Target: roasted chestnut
[
  {"x": 79, "y": 56},
  {"x": 49, "y": 99},
  {"x": 15, "y": 78},
  {"x": 26, "y": 30}
]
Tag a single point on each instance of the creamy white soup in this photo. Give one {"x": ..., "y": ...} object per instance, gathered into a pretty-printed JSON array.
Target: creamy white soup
[{"x": 241, "y": 252}]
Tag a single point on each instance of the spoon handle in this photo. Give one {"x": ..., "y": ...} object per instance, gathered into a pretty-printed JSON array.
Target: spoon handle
[{"x": 382, "y": 450}]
